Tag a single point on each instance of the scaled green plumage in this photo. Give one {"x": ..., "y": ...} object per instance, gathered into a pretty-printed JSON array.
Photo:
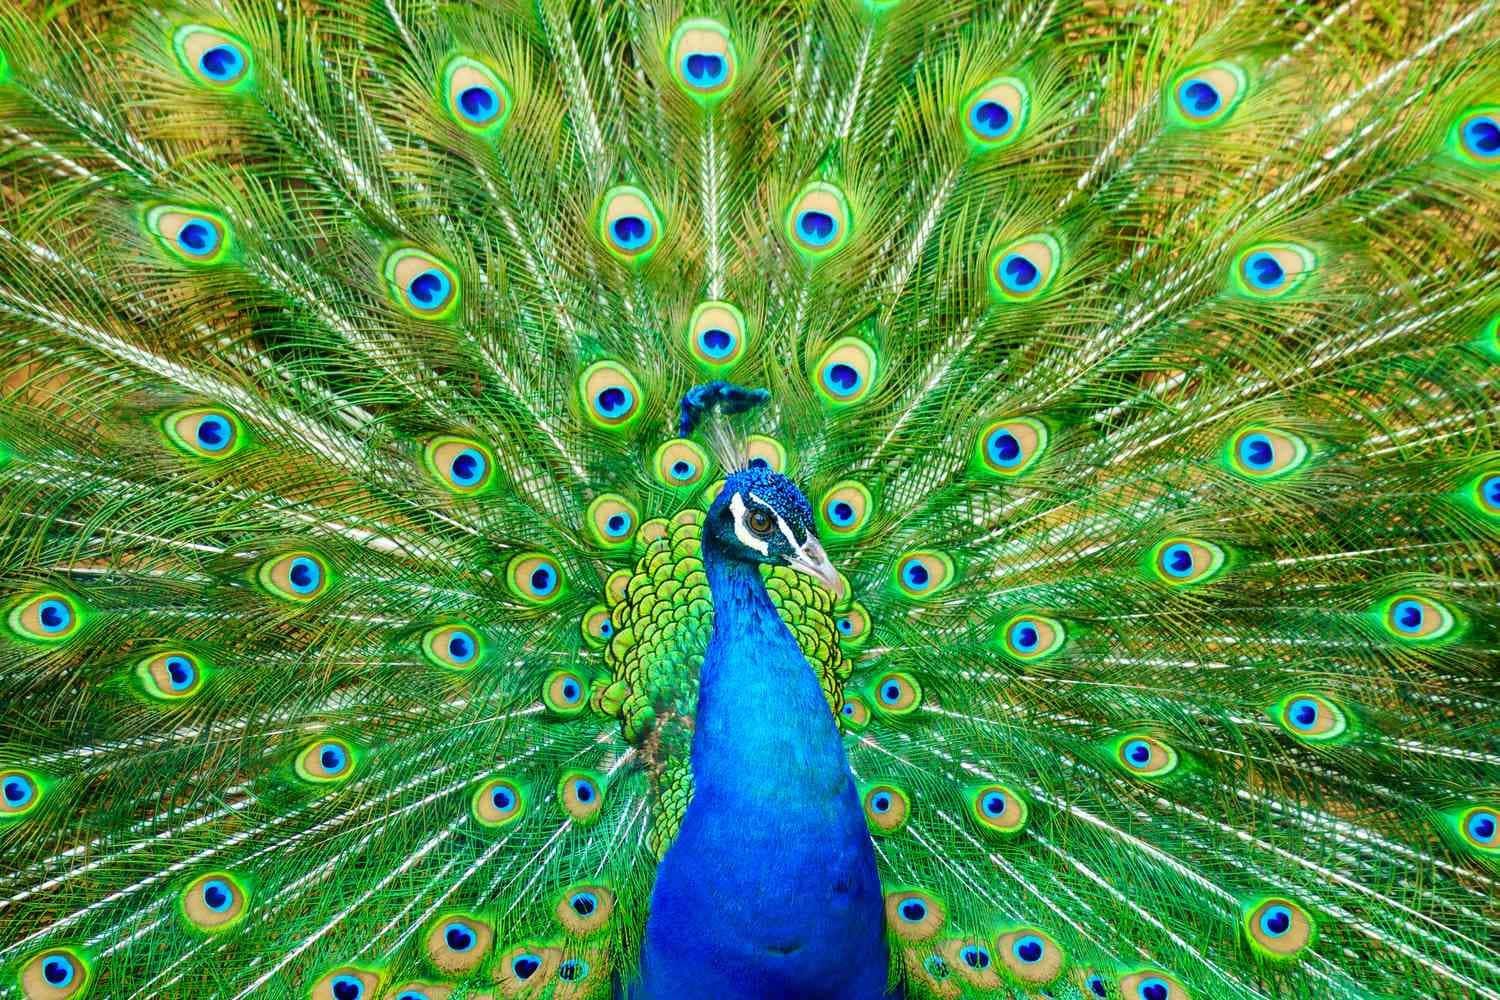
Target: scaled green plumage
[{"x": 1138, "y": 361}]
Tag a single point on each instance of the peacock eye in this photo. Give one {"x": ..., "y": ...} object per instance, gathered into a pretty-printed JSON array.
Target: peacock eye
[{"x": 761, "y": 522}]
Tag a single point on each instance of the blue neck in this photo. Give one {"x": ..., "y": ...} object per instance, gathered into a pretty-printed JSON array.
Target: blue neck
[{"x": 770, "y": 888}]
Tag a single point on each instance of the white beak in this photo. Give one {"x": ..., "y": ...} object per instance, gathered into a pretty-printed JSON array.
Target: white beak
[{"x": 812, "y": 560}]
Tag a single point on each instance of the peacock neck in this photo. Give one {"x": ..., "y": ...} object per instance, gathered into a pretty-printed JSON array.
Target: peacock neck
[{"x": 763, "y": 725}]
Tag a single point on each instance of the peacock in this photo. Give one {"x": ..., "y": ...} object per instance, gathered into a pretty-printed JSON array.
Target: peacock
[{"x": 734, "y": 499}]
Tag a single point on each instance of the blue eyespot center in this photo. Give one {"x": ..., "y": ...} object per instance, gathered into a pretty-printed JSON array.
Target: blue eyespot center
[
  {"x": 1408, "y": 616},
  {"x": 304, "y": 575},
  {"x": 1153, "y": 989},
  {"x": 460, "y": 646},
  {"x": 1264, "y": 271},
  {"x": 17, "y": 791},
  {"x": 54, "y": 616},
  {"x": 759, "y": 463},
  {"x": 525, "y": 966},
  {"x": 1482, "y": 825},
  {"x": 1004, "y": 449},
  {"x": 1029, "y": 949},
  {"x": 817, "y": 228},
  {"x": 1024, "y": 636},
  {"x": 1199, "y": 97},
  {"x": 881, "y": 803},
  {"x": 198, "y": 238},
  {"x": 572, "y": 970},
  {"x": 1019, "y": 274},
  {"x": 613, "y": 401},
  {"x": 429, "y": 289},
  {"x": 1177, "y": 560},
  {"x": 1482, "y": 136},
  {"x": 1097, "y": 987},
  {"x": 1490, "y": 491},
  {"x": 458, "y": 937},
  {"x": 631, "y": 232},
  {"x": 975, "y": 957},
  {"x": 502, "y": 798},
  {"x": 1256, "y": 451},
  {"x": 1303, "y": 712},
  {"x": 617, "y": 524},
  {"x": 990, "y": 119},
  {"x": 332, "y": 758},
  {"x": 915, "y": 574},
  {"x": 993, "y": 804},
  {"x": 913, "y": 911},
  {"x": 478, "y": 104},
  {"x": 179, "y": 672},
  {"x": 216, "y": 896},
  {"x": 213, "y": 433},
  {"x": 584, "y": 903},
  {"x": 221, "y": 63},
  {"x": 468, "y": 467},
  {"x": 584, "y": 790},
  {"x": 705, "y": 69},
  {"x": 1138, "y": 753},
  {"x": 716, "y": 343},
  {"x": 842, "y": 379},
  {"x": 542, "y": 580},
  {"x": 347, "y": 988},
  {"x": 890, "y": 693},
  {"x": 570, "y": 690},
  {"x": 58, "y": 971},
  {"x": 1276, "y": 921},
  {"x": 845, "y": 626}
]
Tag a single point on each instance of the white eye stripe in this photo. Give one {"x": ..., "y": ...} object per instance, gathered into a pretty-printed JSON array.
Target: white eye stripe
[
  {"x": 786, "y": 529},
  {"x": 741, "y": 531}
]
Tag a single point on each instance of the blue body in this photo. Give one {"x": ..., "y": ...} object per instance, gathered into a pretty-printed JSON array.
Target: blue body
[{"x": 770, "y": 889}]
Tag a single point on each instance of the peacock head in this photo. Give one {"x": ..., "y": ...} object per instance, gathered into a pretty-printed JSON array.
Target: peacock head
[{"x": 760, "y": 516}]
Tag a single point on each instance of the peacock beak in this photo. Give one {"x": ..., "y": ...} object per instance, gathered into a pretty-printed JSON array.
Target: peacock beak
[{"x": 812, "y": 560}]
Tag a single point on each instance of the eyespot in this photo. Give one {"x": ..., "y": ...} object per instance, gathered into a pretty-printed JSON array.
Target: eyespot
[
  {"x": 1025, "y": 269},
  {"x": 920, "y": 575},
  {"x": 844, "y": 512},
  {"x": 1417, "y": 619},
  {"x": 55, "y": 974},
  {"x": 913, "y": 915},
  {"x": 420, "y": 284},
  {"x": 526, "y": 965},
  {"x": 1030, "y": 955},
  {"x": 703, "y": 60},
  {"x": 679, "y": 463},
  {"x": 1011, "y": 447},
  {"x": 296, "y": 576},
  {"x": 1486, "y": 490},
  {"x": 629, "y": 224},
  {"x": 456, "y": 647},
  {"x": 1182, "y": 561},
  {"x": 997, "y": 809},
  {"x": 49, "y": 617},
  {"x": 1263, "y": 453},
  {"x": 191, "y": 235},
  {"x": 762, "y": 452},
  {"x": 170, "y": 675},
  {"x": 20, "y": 793},
  {"x": 972, "y": 961},
  {"x": 1151, "y": 985},
  {"x": 611, "y": 521},
  {"x": 1475, "y": 135},
  {"x": 846, "y": 372},
  {"x": 457, "y": 943},
  {"x": 716, "y": 335},
  {"x": 214, "y": 902},
  {"x": 421, "y": 991},
  {"x": 1310, "y": 717},
  {"x": 213, "y": 57},
  {"x": 534, "y": 577},
  {"x": 1032, "y": 637},
  {"x": 855, "y": 715},
  {"x": 1204, "y": 96},
  {"x": 1145, "y": 756},
  {"x": 1480, "y": 827},
  {"x": 326, "y": 760},
  {"x": 886, "y": 809},
  {"x": 572, "y": 970},
  {"x": 853, "y": 626},
  {"x": 897, "y": 693},
  {"x": 565, "y": 694},
  {"x": 611, "y": 396},
  {"x": 1273, "y": 270},
  {"x": 582, "y": 795},
  {"x": 597, "y": 627},
  {"x": 585, "y": 909},
  {"x": 459, "y": 464},
  {"x": 818, "y": 223},
  {"x": 208, "y": 432},
  {"x": 476, "y": 98},
  {"x": 498, "y": 802},
  {"x": 1277, "y": 928},
  {"x": 995, "y": 115},
  {"x": 347, "y": 983}
]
